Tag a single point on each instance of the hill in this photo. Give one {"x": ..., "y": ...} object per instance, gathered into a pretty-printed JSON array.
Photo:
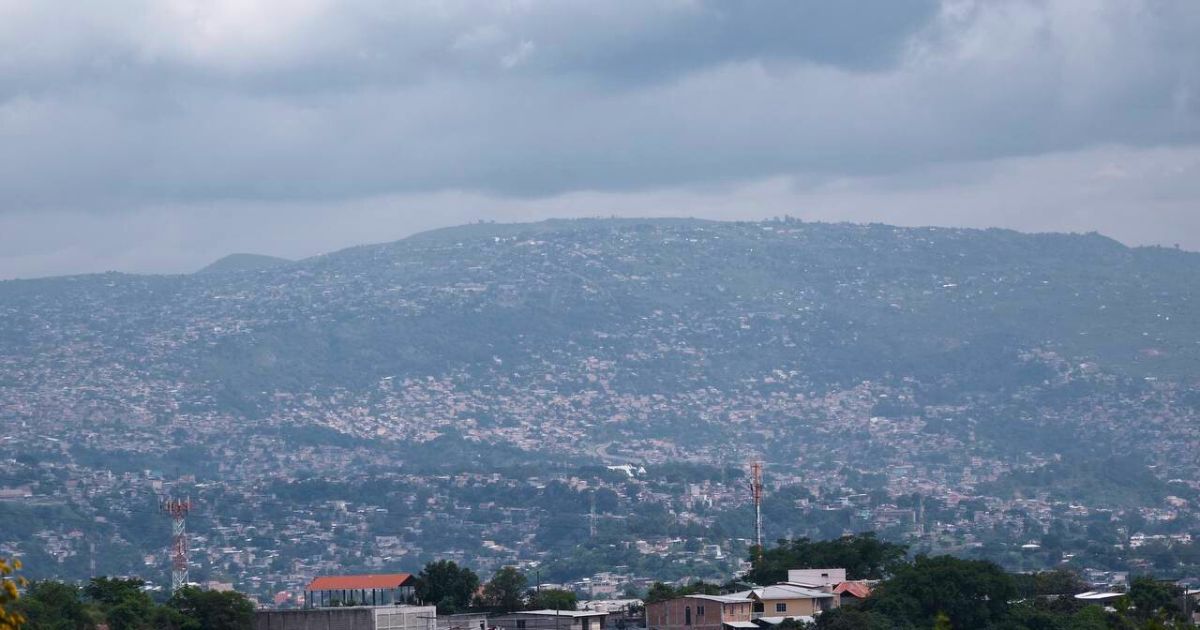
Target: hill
[
  {"x": 967, "y": 390},
  {"x": 535, "y": 335},
  {"x": 244, "y": 262}
]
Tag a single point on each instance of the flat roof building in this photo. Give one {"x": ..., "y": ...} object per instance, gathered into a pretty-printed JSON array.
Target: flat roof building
[
  {"x": 349, "y": 618},
  {"x": 551, "y": 620}
]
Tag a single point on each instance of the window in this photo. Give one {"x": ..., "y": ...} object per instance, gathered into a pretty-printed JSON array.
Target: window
[
  {"x": 781, "y": 607},
  {"x": 520, "y": 624},
  {"x": 699, "y": 611}
]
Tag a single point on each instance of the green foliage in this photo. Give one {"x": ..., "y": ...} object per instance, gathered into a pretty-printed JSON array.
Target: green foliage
[
  {"x": 446, "y": 585},
  {"x": 971, "y": 593},
  {"x": 1054, "y": 582},
  {"x": 660, "y": 592},
  {"x": 1155, "y": 600},
  {"x": 1113, "y": 481},
  {"x": 864, "y": 557},
  {"x": 212, "y": 610},
  {"x": 848, "y": 618},
  {"x": 553, "y": 599},
  {"x": 505, "y": 592},
  {"x": 49, "y": 605},
  {"x": 122, "y": 604}
]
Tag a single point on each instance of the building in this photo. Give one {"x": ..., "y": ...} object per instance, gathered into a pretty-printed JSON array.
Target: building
[
  {"x": 551, "y": 620},
  {"x": 463, "y": 621},
  {"x": 816, "y": 578},
  {"x": 701, "y": 612},
  {"x": 853, "y": 589},
  {"x": 360, "y": 590},
  {"x": 775, "y": 603},
  {"x": 349, "y": 618}
]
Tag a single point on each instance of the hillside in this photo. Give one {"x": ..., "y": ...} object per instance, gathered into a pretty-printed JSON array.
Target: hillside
[
  {"x": 243, "y": 262},
  {"x": 465, "y": 384},
  {"x": 618, "y": 330}
]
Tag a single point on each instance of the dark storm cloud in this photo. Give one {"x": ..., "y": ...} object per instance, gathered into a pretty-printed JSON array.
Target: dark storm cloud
[
  {"x": 118, "y": 108},
  {"x": 308, "y": 100}
]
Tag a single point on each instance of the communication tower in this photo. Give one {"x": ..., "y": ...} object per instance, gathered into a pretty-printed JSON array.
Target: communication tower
[
  {"x": 178, "y": 510},
  {"x": 756, "y": 490}
]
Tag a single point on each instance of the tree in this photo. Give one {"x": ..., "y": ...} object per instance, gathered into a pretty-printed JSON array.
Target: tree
[
  {"x": 1089, "y": 618},
  {"x": 659, "y": 592},
  {"x": 851, "y": 619},
  {"x": 553, "y": 599},
  {"x": 10, "y": 618},
  {"x": 971, "y": 593},
  {"x": 1059, "y": 582},
  {"x": 447, "y": 586},
  {"x": 122, "y": 602},
  {"x": 1153, "y": 599},
  {"x": 505, "y": 592},
  {"x": 54, "y": 606},
  {"x": 213, "y": 610},
  {"x": 864, "y": 557}
]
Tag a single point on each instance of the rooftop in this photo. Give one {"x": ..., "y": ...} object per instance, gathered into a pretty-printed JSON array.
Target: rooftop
[{"x": 355, "y": 582}]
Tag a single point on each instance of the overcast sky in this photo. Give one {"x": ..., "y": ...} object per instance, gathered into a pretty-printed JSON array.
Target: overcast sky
[{"x": 159, "y": 135}]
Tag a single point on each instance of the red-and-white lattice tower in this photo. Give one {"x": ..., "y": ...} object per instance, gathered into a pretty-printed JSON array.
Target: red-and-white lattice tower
[
  {"x": 756, "y": 489},
  {"x": 178, "y": 510}
]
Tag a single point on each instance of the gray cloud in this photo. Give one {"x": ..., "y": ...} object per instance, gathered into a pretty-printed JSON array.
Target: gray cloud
[{"x": 133, "y": 109}]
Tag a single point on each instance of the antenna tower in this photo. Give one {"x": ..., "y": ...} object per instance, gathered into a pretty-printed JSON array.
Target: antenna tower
[
  {"x": 178, "y": 510},
  {"x": 756, "y": 489}
]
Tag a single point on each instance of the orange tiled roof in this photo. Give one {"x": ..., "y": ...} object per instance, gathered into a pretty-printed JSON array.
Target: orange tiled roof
[
  {"x": 856, "y": 589},
  {"x": 351, "y": 582}
]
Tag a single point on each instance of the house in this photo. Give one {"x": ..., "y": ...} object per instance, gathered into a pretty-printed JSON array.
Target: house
[
  {"x": 701, "y": 612},
  {"x": 551, "y": 620},
  {"x": 787, "y": 600},
  {"x": 853, "y": 589}
]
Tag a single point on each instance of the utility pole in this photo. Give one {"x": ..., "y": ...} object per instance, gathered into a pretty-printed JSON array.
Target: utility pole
[
  {"x": 592, "y": 517},
  {"x": 178, "y": 510}
]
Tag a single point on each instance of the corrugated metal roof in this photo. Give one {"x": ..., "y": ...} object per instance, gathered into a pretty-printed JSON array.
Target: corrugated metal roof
[
  {"x": 352, "y": 582},
  {"x": 724, "y": 599},
  {"x": 784, "y": 591}
]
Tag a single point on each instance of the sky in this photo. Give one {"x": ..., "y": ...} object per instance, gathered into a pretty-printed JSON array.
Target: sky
[{"x": 155, "y": 136}]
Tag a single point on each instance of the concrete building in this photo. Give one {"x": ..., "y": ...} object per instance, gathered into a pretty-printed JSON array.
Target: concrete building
[
  {"x": 551, "y": 620},
  {"x": 817, "y": 578},
  {"x": 463, "y": 621},
  {"x": 701, "y": 612},
  {"x": 349, "y": 618}
]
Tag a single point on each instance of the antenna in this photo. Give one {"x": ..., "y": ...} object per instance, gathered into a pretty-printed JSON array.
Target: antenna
[
  {"x": 178, "y": 510},
  {"x": 756, "y": 489}
]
